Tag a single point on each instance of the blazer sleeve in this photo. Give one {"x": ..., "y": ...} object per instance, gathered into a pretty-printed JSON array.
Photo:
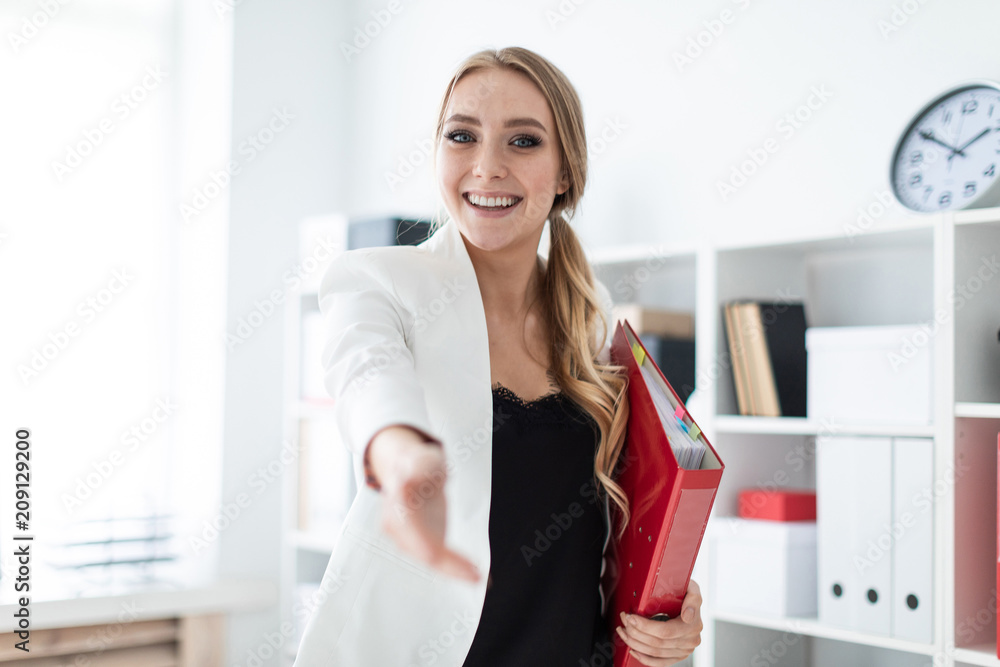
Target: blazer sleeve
[{"x": 368, "y": 367}]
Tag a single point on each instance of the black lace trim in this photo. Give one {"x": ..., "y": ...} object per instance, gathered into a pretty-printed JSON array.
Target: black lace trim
[
  {"x": 504, "y": 392},
  {"x": 555, "y": 407}
]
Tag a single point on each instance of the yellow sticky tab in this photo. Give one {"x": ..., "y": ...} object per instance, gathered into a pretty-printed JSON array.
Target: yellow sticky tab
[
  {"x": 695, "y": 431},
  {"x": 638, "y": 353}
]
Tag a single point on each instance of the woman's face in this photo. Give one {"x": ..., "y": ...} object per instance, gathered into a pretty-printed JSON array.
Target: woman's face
[{"x": 499, "y": 141}]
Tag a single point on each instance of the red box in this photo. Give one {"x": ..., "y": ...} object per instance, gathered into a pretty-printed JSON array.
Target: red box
[{"x": 784, "y": 505}]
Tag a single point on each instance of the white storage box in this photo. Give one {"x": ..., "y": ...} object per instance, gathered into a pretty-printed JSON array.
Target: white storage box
[
  {"x": 866, "y": 375},
  {"x": 763, "y": 567}
]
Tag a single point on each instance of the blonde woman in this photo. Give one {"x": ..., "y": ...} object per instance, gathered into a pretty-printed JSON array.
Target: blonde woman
[{"x": 473, "y": 385}]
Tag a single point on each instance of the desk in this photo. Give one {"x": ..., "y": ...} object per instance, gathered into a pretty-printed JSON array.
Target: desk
[{"x": 147, "y": 627}]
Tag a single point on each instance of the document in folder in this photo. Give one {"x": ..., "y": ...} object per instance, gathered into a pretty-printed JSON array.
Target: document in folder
[{"x": 670, "y": 476}]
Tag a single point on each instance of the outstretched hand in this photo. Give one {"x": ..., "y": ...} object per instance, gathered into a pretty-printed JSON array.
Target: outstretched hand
[
  {"x": 662, "y": 643},
  {"x": 414, "y": 514}
]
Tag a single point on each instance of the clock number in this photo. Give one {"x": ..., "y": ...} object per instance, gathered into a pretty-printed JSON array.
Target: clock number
[
  {"x": 915, "y": 180},
  {"x": 927, "y": 192},
  {"x": 947, "y": 116},
  {"x": 916, "y": 157},
  {"x": 969, "y": 107},
  {"x": 945, "y": 199},
  {"x": 970, "y": 189},
  {"x": 990, "y": 170}
]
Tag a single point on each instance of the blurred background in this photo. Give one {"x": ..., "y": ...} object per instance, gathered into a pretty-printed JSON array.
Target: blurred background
[{"x": 159, "y": 158}]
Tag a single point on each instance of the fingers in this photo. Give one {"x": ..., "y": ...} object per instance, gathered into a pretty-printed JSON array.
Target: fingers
[
  {"x": 653, "y": 662},
  {"x": 655, "y": 632},
  {"x": 648, "y": 650},
  {"x": 659, "y": 642},
  {"x": 424, "y": 547},
  {"x": 454, "y": 565},
  {"x": 691, "y": 608},
  {"x": 426, "y": 543}
]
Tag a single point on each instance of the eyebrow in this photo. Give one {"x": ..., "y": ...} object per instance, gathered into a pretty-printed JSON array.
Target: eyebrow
[{"x": 513, "y": 122}]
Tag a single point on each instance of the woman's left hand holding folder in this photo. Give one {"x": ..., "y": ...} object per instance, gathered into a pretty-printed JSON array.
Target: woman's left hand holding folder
[{"x": 662, "y": 643}]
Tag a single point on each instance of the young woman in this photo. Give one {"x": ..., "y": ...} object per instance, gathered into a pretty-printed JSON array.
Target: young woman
[{"x": 472, "y": 383}]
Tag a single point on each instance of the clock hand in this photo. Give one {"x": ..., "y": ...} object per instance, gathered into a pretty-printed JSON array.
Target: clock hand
[
  {"x": 973, "y": 140},
  {"x": 929, "y": 136}
]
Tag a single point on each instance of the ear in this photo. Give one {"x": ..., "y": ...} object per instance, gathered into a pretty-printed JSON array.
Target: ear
[{"x": 563, "y": 182}]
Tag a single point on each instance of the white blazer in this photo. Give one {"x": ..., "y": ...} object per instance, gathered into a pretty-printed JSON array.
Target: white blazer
[{"x": 407, "y": 344}]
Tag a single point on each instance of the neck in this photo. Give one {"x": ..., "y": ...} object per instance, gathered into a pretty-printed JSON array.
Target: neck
[{"x": 508, "y": 279}]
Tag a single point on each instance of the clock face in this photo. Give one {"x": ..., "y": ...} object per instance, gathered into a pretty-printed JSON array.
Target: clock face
[{"x": 949, "y": 157}]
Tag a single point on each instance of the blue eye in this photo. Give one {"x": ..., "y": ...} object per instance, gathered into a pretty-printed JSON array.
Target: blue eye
[
  {"x": 531, "y": 141},
  {"x": 454, "y": 136}
]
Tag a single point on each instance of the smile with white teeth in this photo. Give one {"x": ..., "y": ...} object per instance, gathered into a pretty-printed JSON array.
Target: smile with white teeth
[{"x": 492, "y": 202}]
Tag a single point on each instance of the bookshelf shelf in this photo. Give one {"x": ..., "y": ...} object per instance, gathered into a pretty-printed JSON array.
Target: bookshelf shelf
[
  {"x": 984, "y": 654},
  {"x": 980, "y": 410},
  {"x": 977, "y": 216},
  {"x": 776, "y": 425},
  {"x": 635, "y": 253},
  {"x": 897, "y": 233},
  {"x": 813, "y": 628},
  {"x": 802, "y": 426}
]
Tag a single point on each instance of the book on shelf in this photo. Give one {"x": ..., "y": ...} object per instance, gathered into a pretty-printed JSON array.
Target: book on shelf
[
  {"x": 655, "y": 321},
  {"x": 668, "y": 335},
  {"x": 675, "y": 357},
  {"x": 767, "y": 351},
  {"x": 761, "y": 368},
  {"x": 737, "y": 360}
]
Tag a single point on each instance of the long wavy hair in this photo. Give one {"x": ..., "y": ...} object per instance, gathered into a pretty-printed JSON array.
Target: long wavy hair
[{"x": 573, "y": 311}]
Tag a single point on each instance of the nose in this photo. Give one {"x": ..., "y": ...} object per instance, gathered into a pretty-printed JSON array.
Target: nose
[{"x": 489, "y": 162}]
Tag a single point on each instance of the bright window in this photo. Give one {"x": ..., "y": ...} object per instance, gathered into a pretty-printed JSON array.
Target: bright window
[{"x": 114, "y": 304}]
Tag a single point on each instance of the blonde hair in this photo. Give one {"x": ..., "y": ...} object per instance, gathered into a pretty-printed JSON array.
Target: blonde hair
[{"x": 575, "y": 315}]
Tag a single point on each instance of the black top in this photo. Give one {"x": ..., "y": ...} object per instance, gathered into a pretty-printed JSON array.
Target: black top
[{"x": 547, "y": 533}]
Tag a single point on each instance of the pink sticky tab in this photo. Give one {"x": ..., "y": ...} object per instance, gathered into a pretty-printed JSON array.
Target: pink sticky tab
[{"x": 679, "y": 412}]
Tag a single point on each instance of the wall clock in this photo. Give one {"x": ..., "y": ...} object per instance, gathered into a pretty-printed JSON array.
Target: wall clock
[{"x": 949, "y": 156}]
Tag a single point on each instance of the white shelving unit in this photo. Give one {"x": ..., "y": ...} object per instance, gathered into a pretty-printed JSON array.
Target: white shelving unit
[
  {"x": 305, "y": 552},
  {"x": 912, "y": 270}
]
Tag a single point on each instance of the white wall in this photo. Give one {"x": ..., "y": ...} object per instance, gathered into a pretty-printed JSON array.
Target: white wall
[
  {"x": 686, "y": 127},
  {"x": 284, "y": 59}
]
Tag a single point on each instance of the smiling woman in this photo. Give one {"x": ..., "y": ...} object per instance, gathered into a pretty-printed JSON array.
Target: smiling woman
[{"x": 487, "y": 430}]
